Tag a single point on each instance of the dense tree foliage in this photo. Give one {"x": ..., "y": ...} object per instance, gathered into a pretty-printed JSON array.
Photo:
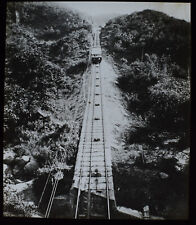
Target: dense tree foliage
[
  {"x": 46, "y": 55},
  {"x": 148, "y": 32},
  {"x": 152, "y": 53}
]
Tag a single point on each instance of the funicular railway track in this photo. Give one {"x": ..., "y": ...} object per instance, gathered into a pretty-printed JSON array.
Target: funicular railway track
[
  {"x": 93, "y": 180},
  {"x": 94, "y": 175}
]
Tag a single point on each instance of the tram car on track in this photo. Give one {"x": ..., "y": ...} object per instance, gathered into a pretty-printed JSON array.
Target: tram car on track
[{"x": 96, "y": 56}]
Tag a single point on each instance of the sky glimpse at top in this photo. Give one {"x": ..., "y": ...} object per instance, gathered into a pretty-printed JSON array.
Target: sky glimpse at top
[{"x": 177, "y": 10}]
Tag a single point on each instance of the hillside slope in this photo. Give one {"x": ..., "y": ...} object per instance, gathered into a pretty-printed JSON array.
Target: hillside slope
[
  {"x": 46, "y": 56},
  {"x": 151, "y": 52}
]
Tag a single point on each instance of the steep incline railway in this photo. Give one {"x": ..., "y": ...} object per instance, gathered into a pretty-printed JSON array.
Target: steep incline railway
[
  {"x": 92, "y": 192},
  {"x": 93, "y": 173}
]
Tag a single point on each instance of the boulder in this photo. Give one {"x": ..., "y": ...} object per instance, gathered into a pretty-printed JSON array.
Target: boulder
[
  {"x": 20, "y": 162},
  {"x": 16, "y": 170},
  {"x": 5, "y": 167},
  {"x": 8, "y": 157},
  {"x": 20, "y": 150},
  {"x": 23, "y": 186},
  {"x": 26, "y": 158},
  {"x": 31, "y": 167},
  {"x": 163, "y": 175},
  {"x": 6, "y": 170},
  {"x": 134, "y": 154},
  {"x": 18, "y": 165},
  {"x": 18, "y": 181},
  {"x": 186, "y": 151}
]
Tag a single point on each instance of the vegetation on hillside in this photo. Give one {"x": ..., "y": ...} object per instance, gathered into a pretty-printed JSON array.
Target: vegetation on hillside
[
  {"x": 152, "y": 53},
  {"x": 46, "y": 55}
]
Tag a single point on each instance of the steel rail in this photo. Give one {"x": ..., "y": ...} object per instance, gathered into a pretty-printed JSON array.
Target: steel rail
[
  {"x": 88, "y": 112},
  {"x": 93, "y": 106},
  {"x": 55, "y": 185},
  {"x": 88, "y": 106},
  {"x": 106, "y": 175},
  {"x": 91, "y": 96},
  {"x": 64, "y": 155}
]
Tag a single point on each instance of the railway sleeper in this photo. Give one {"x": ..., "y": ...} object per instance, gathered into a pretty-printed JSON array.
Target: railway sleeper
[{"x": 84, "y": 171}]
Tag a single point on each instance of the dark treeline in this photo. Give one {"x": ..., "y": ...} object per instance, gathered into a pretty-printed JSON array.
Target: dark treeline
[
  {"x": 35, "y": 67},
  {"x": 46, "y": 55},
  {"x": 152, "y": 53}
]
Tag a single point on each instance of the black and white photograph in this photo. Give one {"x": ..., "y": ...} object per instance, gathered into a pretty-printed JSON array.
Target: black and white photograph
[{"x": 96, "y": 111}]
